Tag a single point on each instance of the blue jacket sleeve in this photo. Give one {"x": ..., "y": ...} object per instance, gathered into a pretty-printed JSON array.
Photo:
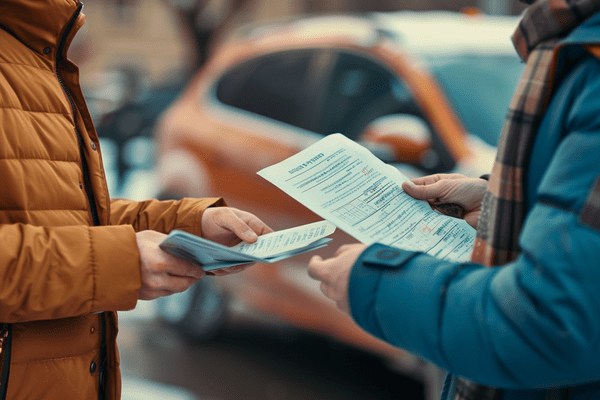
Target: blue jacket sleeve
[{"x": 533, "y": 323}]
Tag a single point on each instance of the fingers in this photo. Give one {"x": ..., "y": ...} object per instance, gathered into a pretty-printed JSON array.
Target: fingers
[
  {"x": 429, "y": 179},
  {"x": 451, "y": 194},
  {"x": 162, "y": 273},
  {"x": 230, "y": 270},
  {"x": 223, "y": 224},
  {"x": 231, "y": 219},
  {"x": 254, "y": 228},
  {"x": 334, "y": 273},
  {"x": 178, "y": 284},
  {"x": 430, "y": 191},
  {"x": 175, "y": 275},
  {"x": 315, "y": 268},
  {"x": 255, "y": 223},
  {"x": 426, "y": 180},
  {"x": 179, "y": 267},
  {"x": 343, "y": 248},
  {"x": 451, "y": 209},
  {"x": 165, "y": 285}
]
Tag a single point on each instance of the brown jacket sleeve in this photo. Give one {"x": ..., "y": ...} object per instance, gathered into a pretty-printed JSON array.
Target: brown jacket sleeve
[
  {"x": 162, "y": 216},
  {"x": 60, "y": 272},
  {"x": 51, "y": 273}
]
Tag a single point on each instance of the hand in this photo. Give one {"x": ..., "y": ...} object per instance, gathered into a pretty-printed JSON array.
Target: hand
[
  {"x": 450, "y": 188},
  {"x": 229, "y": 226},
  {"x": 229, "y": 270},
  {"x": 334, "y": 273},
  {"x": 162, "y": 273}
]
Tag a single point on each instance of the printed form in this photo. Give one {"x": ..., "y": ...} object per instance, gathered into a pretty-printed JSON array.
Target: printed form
[
  {"x": 289, "y": 241},
  {"x": 344, "y": 183},
  {"x": 268, "y": 248}
]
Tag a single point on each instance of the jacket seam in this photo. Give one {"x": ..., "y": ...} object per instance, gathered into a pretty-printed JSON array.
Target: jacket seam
[
  {"x": 43, "y": 112},
  {"x": 443, "y": 300},
  {"x": 186, "y": 226},
  {"x": 556, "y": 203},
  {"x": 44, "y": 209},
  {"x": 20, "y": 64},
  {"x": 38, "y": 159},
  {"x": 93, "y": 261},
  {"x": 376, "y": 322},
  {"x": 52, "y": 359}
]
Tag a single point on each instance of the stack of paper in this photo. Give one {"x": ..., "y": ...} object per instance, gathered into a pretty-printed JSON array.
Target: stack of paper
[{"x": 268, "y": 248}]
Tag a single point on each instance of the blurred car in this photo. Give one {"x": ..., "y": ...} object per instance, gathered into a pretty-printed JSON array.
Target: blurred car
[
  {"x": 424, "y": 91},
  {"x": 125, "y": 106}
]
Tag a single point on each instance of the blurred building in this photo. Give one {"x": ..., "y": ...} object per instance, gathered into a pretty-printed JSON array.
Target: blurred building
[
  {"x": 142, "y": 35},
  {"x": 168, "y": 39}
]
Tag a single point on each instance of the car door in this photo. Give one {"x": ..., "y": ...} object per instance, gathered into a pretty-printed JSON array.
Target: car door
[{"x": 323, "y": 91}]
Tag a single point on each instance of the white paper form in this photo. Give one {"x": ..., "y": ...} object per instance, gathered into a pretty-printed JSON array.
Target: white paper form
[
  {"x": 287, "y": 241},
  {"x": 269, "y": 248},
  {"x": 344, "y": 183}
]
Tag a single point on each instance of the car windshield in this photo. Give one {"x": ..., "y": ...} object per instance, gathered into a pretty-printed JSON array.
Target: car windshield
[{"x": 480, "y": 88}]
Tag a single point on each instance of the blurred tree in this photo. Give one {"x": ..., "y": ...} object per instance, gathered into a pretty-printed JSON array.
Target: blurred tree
[{"x": 205, "y": 19}]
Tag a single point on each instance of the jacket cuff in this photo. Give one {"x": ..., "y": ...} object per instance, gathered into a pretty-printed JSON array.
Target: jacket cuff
[
  {"x": 115, "y": 263},
  {"x": 189, "y": 217},
  {"x": 365, "y": 276}
]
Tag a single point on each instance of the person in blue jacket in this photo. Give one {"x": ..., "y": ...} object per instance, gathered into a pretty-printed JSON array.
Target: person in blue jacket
[{"x": 530, "y": 327}]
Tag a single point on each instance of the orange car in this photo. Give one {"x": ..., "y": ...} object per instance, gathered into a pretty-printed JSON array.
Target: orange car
[{"x": 425, "y": 91}]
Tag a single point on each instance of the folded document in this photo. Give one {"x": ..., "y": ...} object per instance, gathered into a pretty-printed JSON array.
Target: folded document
[{"x": 269, "y": 248}]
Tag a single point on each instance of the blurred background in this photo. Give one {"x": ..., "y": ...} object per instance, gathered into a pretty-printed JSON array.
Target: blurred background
[{"x": 193, "y": 97}]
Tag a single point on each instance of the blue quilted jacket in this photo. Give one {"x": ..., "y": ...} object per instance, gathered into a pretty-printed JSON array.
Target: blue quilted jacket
[{"x": 532, "y": 324}]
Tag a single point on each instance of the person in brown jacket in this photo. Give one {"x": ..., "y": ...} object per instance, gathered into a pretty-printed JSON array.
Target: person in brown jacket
[{"x": 70, "y": 256}]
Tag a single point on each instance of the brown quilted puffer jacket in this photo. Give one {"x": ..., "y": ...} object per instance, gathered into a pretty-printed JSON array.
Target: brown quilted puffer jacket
[{"x": 68, "y": 254}]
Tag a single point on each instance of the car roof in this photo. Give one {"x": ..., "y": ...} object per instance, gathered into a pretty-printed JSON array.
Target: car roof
[
  {"x": 443, "y": 32},
  {"x": 423, "y": 33}
]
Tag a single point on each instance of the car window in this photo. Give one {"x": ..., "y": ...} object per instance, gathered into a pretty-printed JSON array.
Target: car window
[
  {"x": 359, "y": 90},
  {"x": 273, "y": 86},
  {"x": 321, "y": 90},
  {"x": 479, "y": 88}
]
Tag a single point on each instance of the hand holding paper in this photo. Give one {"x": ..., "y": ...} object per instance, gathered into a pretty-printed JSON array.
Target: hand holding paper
[
  {"x": 347, "y": 185},
  {"x": 269, "y": 248}
]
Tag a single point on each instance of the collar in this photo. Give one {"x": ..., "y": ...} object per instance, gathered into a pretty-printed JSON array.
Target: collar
[
  {"x": 41, "y": 24},
  {"x": 548, "y": 20},
  {"x": 588, "y": 32}
]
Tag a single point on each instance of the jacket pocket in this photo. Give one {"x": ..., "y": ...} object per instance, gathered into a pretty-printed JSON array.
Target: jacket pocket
[{"x": 5, "y": 347}]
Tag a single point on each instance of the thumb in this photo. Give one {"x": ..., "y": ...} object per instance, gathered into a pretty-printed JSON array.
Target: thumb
[
  {"x": 244, "y": 232},
  {"x": 313, "y": 267},
  {"x": 433, "y": 192},
  {"x": 419, "y": 192}
]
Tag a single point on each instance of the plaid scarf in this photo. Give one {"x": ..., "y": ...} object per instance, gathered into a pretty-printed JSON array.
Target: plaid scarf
[{"x": 503, "y": 208}]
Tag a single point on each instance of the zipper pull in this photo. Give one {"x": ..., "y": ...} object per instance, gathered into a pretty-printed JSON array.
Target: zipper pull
[{"x": 3, "y": 335}]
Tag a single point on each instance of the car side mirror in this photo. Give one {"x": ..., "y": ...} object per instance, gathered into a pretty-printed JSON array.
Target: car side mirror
[{"x": 400, "y": 138}]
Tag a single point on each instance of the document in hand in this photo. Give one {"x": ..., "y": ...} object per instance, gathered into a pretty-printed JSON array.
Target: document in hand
[
  {"x": 271, "y": 247},
  {"x": 344, "y": 183}
]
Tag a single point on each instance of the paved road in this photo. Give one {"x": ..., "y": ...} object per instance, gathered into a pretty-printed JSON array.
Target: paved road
[{"x": 254, "y": 360}]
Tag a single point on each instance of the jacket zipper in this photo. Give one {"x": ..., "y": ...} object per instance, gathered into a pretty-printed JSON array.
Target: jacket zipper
[
  {"x": 84, "y": 165},
  {"x": 90, "y": 196},
  {"x": 5, "y": 348}
]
